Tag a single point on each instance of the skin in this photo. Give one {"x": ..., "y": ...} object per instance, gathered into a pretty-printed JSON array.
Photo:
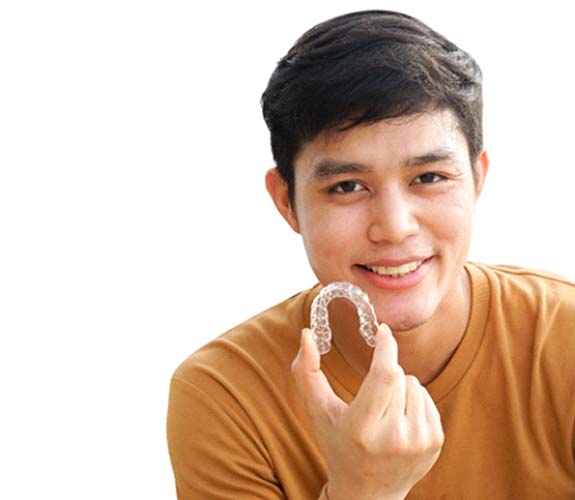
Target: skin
[{"x": 388, "y": 193}]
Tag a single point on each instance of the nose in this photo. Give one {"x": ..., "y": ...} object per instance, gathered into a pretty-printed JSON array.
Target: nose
[{"x": 393, "y": 217}]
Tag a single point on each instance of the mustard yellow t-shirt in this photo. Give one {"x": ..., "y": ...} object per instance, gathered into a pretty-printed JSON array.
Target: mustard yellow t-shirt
[{"x": 237, "y": 430}]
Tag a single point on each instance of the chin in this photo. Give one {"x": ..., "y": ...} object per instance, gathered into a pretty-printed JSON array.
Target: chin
[
  {"x": 406, "y": 325},
  {"x": 404, "y": 321}
]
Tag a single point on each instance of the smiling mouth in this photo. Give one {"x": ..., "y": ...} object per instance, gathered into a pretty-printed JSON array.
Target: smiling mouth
[{"x": 395, "y": 272}]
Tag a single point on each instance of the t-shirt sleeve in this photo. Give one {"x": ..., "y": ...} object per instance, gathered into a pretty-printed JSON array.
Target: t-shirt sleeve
[{"x": 215, "y": 450}]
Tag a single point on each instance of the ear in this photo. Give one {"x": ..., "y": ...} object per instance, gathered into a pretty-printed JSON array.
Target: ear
[
  {"x": 481, "y": 169},
  {"x": 278, "y": 190}
]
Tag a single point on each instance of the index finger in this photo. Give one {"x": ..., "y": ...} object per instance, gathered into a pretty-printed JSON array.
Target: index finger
[{"x": 378, "y": 387}]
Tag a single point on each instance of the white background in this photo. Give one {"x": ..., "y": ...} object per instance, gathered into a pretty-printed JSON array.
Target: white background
[{"x": 134, "y": 223}]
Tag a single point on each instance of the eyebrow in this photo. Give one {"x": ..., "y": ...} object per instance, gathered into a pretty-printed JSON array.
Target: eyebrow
[
  {"x": 330, "y": 168},
  {"x": 435, "y": 156}
]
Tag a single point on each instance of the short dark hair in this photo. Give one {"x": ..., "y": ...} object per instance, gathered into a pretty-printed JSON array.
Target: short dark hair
[{"x": 364, "y": 67}]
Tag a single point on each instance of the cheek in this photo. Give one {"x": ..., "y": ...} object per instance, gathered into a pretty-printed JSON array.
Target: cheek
[
  {"x": 450, "y": 220},
  {"x": 326, "y": 232}
]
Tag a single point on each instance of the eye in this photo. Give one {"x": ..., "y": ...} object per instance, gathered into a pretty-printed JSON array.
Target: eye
[
  {"x": 429, "y": 178},
  {"x": 346, "y": 187}
]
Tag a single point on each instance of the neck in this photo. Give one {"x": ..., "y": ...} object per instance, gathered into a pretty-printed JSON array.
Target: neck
[{"x": 423, "y": 351}]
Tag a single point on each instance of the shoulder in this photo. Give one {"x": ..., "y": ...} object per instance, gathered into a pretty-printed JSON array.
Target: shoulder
[
  {"x": 233, "y": 409},
  {"x": 509, "y": 272},
  {"x": 259, "y": 348},
  {"x": 533, "y": 310},
  {"x": 527, "y": 286}
]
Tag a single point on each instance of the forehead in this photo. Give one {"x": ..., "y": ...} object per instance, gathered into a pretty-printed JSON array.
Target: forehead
[{"x": 387, "y": 142}]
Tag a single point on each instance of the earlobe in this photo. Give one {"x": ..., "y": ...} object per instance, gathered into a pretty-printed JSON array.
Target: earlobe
[{"x": 278, "y": 190}]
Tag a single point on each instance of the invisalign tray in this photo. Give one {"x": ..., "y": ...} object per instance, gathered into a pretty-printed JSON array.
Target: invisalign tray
[{"x": 320, "y": 318}]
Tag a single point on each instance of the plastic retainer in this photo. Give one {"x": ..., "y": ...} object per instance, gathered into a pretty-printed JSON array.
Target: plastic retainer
[{"x": 320, "y": 319}]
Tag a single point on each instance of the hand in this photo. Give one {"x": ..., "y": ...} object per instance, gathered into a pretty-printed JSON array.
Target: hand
[{"x": 386, "y": 440}]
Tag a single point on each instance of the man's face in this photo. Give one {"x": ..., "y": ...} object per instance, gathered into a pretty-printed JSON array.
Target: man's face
[{"x": 388, "y": 207}]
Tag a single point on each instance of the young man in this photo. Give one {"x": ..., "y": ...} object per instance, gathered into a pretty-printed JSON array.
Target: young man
[{"x": 375, "y": 125}]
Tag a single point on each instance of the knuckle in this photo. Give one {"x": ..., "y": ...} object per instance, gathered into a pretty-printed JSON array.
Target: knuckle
[
  {"x": 413, "y": 442},
  {"x": 430, "y": 444},
  {"x": 386, "y": 374},
  {"x": 412, "y": 380},
  {"x": 362, "y": 439},
  {"x": 437, "y": 440},
  {"x": 398, "y": 442},
  {"x": 419, "y": 449}
]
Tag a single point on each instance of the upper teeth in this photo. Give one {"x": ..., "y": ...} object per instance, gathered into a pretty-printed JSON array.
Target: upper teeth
[{"x": 396, "y": 271}]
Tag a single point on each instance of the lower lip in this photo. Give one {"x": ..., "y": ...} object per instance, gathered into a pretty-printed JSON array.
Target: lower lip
[{"x": 400, "y": 282}]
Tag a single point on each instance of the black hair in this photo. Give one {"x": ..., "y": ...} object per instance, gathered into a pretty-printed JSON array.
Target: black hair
[{"x": 364, "y": 67}]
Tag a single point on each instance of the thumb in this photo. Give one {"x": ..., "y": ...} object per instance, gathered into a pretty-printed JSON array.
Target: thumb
[{"x": 317, "y": 395}]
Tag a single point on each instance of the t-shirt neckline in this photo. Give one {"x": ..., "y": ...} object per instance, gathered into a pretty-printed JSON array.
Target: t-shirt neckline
[{"x": 346, "y": 381}]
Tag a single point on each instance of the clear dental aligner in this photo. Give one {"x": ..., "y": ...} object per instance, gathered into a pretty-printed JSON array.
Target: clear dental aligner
[{"x": 320, "y": 319}]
